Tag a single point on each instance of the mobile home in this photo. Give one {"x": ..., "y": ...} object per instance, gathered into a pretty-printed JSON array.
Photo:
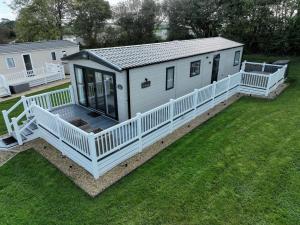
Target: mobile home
[
  {"x": 17, "y": 57},
  {"x": 123, "y": 81}
]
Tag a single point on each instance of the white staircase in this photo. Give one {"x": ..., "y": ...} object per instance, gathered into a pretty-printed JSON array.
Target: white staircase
[{"x": 22, "y": 128}]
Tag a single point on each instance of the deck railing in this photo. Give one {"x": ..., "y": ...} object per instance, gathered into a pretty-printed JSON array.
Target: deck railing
[
  {"x": 37, "y": 76},
  {"x": 98, "y": 153}
]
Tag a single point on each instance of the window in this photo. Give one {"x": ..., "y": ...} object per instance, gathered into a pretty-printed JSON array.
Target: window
[
  {"x": 237, "y": 58},
  {"x": 170, "y": 78},
  {"x": 53, "y": 55},
  {"x": 195, "y": 68},
  {"x": 10, "y": 63}
]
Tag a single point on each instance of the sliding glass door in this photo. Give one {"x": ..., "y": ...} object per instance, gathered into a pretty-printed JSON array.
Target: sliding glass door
[
  {"x": 100, "y": 92},
  {"x": 97, "y": 90},
  {"x": 109, "y": 89}
]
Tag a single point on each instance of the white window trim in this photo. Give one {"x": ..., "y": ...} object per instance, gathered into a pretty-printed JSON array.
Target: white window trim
[
  {"x": 6, "y": 58},
  {"x": 195, "y": 74},
  {"x": 239, "y": 59},
  {"x": 24, "y": 61}
]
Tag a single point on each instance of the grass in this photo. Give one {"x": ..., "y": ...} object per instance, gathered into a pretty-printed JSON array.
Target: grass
[
  {"x": 9, "y": 103},
  {"x": 241, "y": 167}
]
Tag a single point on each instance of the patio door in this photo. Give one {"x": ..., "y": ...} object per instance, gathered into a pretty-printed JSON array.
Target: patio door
[
  {"x": 215, "y": 68},
  {"x": 28, "y": 64},
  {"x": 97, "y": 90}
]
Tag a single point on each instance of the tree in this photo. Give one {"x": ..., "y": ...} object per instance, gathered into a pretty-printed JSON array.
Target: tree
[
  {"x": 35, "y": 22},
  {"x": 266, "y": 26},
  {"x": 137, "y": 20},
  {"x": 89, "y": 19},
  {"x": 178, "y": 15},
  {"x": 7, "y": 30},
  {"x": 56, "y": 9},
  {"x": 193, "y": 17}
]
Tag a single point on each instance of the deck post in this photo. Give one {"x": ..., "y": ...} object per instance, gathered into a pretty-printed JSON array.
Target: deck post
[
  {"x": 57, "y": 117},
  {"x": 7, "y": 123},
  {"x": 92, "y": 147},
  {"x": 171, "y": 114},
  {"x": 17, "y": 131},
  {"x": 139, "y": 130},
  {"x": 49, "y": 105},
  {"x": 72, "y": 94},
  {"x": 244, "y": 65},
  {"x": 25, "y": 105},
  {"x": 268, "y": 85},
  {"x": 195, "y": 98},
  {"x": 228, "y": 87},
  {"x": 263, "y": 67}
]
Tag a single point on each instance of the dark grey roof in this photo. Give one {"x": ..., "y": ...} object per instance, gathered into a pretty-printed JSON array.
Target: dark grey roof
[
  {"x": 126, "y": 57},
  {"x": 33, "y": 46}
]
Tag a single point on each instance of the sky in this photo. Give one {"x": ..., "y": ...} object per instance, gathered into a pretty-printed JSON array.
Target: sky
[{"x": 6, "y": 12}]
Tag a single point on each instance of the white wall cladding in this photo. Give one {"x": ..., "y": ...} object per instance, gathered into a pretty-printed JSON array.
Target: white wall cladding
[{"x": 145, "y": 99}]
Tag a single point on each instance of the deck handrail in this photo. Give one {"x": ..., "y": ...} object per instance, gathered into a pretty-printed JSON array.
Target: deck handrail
[{"x": 125, "y": 139}]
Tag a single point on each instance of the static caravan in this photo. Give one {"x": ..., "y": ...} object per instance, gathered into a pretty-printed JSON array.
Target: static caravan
[
  {"x": 122, "y": 81},
  {"x": 18, "y": 57}
]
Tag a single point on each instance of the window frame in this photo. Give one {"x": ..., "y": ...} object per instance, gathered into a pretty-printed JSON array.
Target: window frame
[
  {"x": 7, "y": 64},
  {"x": 234, "y": 59},
  {"x": 53, "y": 54},
  {"x": 193, "y": 75},
  {"x": 173, "y": 83}
]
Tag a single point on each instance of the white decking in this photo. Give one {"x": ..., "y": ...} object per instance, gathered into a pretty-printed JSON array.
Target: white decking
[
  {"x": 99, "y": 152},
  {"x": 95, "y": 121}
]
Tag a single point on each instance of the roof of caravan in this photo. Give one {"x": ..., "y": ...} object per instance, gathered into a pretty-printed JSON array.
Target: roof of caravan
[
  {"x": 34, "y": 46},
  {"x": 127, "y": 57}
]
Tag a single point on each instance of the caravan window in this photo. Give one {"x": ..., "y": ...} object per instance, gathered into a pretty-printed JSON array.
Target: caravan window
[
  {"x": 53, "y": 55},
  {"x": 170, "y": 78},
  {"x": 10, "y": 62},
  {"x": 237, "y": 58},
  {"x": 195, "y": 68}
]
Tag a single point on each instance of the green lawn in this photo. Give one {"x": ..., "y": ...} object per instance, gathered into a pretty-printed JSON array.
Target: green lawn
[
  {"x": 241, "y": 167},
  {"x": 9, "y": 103}
]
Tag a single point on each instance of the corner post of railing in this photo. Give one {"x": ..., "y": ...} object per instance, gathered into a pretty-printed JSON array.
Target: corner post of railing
[
  {"x": 268, "y": 86},
  {"x": 244, "y": 65},
  {"x": 171, "y": 115},
  {"x": 263, "y": 67},
  {"x": 93, "y": 154},
  {"x": 139, "y": 130},
  {"x": 6, "y": 120},
  {"x": 25, "y": 105},
  {"x": 195, "y": 101},
  {"x": 72, "y": 94},
  {"x": 17, "y": 131},
  {"x": 285, "y": 67},
  {"x": 214, "y": 93}
]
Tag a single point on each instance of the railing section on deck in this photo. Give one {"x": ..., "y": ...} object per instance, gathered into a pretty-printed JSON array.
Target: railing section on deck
[{"x": 98, "y": 153}]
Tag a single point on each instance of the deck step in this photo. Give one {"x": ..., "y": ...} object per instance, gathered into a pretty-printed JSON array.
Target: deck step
[{"x": 7, "y": 143}]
